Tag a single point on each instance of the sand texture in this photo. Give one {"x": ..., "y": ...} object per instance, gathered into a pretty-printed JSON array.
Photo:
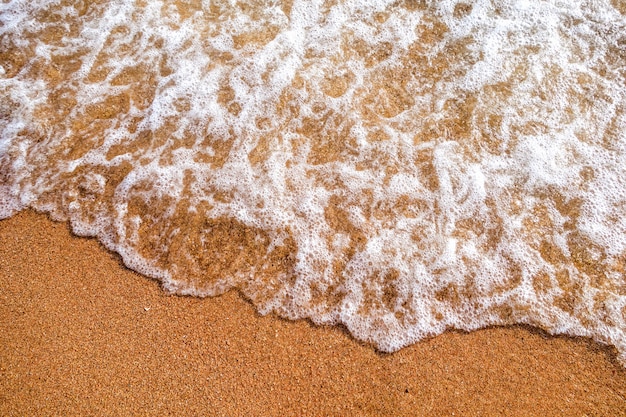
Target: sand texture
[{"x": 82, "y": 335}]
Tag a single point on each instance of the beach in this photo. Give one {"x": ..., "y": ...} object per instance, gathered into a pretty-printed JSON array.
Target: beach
[
  {"x": 298, "y": 208},
  {"x": 83, "y": 335}
]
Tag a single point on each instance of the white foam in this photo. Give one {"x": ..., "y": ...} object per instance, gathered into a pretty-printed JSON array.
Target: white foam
[{"x": 542, "y": 106}]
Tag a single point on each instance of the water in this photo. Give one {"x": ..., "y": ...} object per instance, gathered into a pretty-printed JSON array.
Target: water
[{"x": 400, "y": 167}]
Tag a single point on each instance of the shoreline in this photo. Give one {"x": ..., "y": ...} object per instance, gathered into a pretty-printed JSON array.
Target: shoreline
[{"x": 83, "y": 334}]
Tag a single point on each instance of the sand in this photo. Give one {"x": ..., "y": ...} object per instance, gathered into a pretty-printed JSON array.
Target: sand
[{"x": 82, "y": 335}]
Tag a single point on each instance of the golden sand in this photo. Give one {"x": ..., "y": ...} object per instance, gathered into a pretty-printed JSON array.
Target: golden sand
[{"x": 82, "y": 335}]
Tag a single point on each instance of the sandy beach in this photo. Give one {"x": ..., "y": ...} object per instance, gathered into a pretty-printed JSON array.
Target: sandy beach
[{"x": 83, "y": 335}]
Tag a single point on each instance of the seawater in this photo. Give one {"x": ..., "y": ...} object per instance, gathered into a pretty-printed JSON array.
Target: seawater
[{"x": 400, "y": 167}]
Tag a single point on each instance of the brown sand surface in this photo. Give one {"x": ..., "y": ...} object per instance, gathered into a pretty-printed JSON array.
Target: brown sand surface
[{"x": 82, "y": 335}]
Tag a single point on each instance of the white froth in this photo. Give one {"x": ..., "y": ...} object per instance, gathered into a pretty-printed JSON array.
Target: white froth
[{"x": 452, "y": 165}]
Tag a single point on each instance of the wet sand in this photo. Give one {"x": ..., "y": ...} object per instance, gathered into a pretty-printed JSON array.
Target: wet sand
[{"x": 82, "y": 335}]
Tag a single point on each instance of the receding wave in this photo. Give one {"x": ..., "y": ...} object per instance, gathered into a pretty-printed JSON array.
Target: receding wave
[{"x": 400, "y": 167}]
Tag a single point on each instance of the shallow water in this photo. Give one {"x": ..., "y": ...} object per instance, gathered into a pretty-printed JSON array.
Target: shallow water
[{"x": 400, "y": 167}]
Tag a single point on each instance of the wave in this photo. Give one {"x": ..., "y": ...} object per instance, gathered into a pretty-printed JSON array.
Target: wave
[{"x": 399, "y": 167}]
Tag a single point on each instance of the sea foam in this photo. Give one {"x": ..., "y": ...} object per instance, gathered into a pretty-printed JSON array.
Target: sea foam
[{"x": 399, "y": 167}]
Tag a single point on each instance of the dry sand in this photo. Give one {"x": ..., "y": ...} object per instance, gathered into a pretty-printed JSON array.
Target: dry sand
[{"x": 82, "y": 335}]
